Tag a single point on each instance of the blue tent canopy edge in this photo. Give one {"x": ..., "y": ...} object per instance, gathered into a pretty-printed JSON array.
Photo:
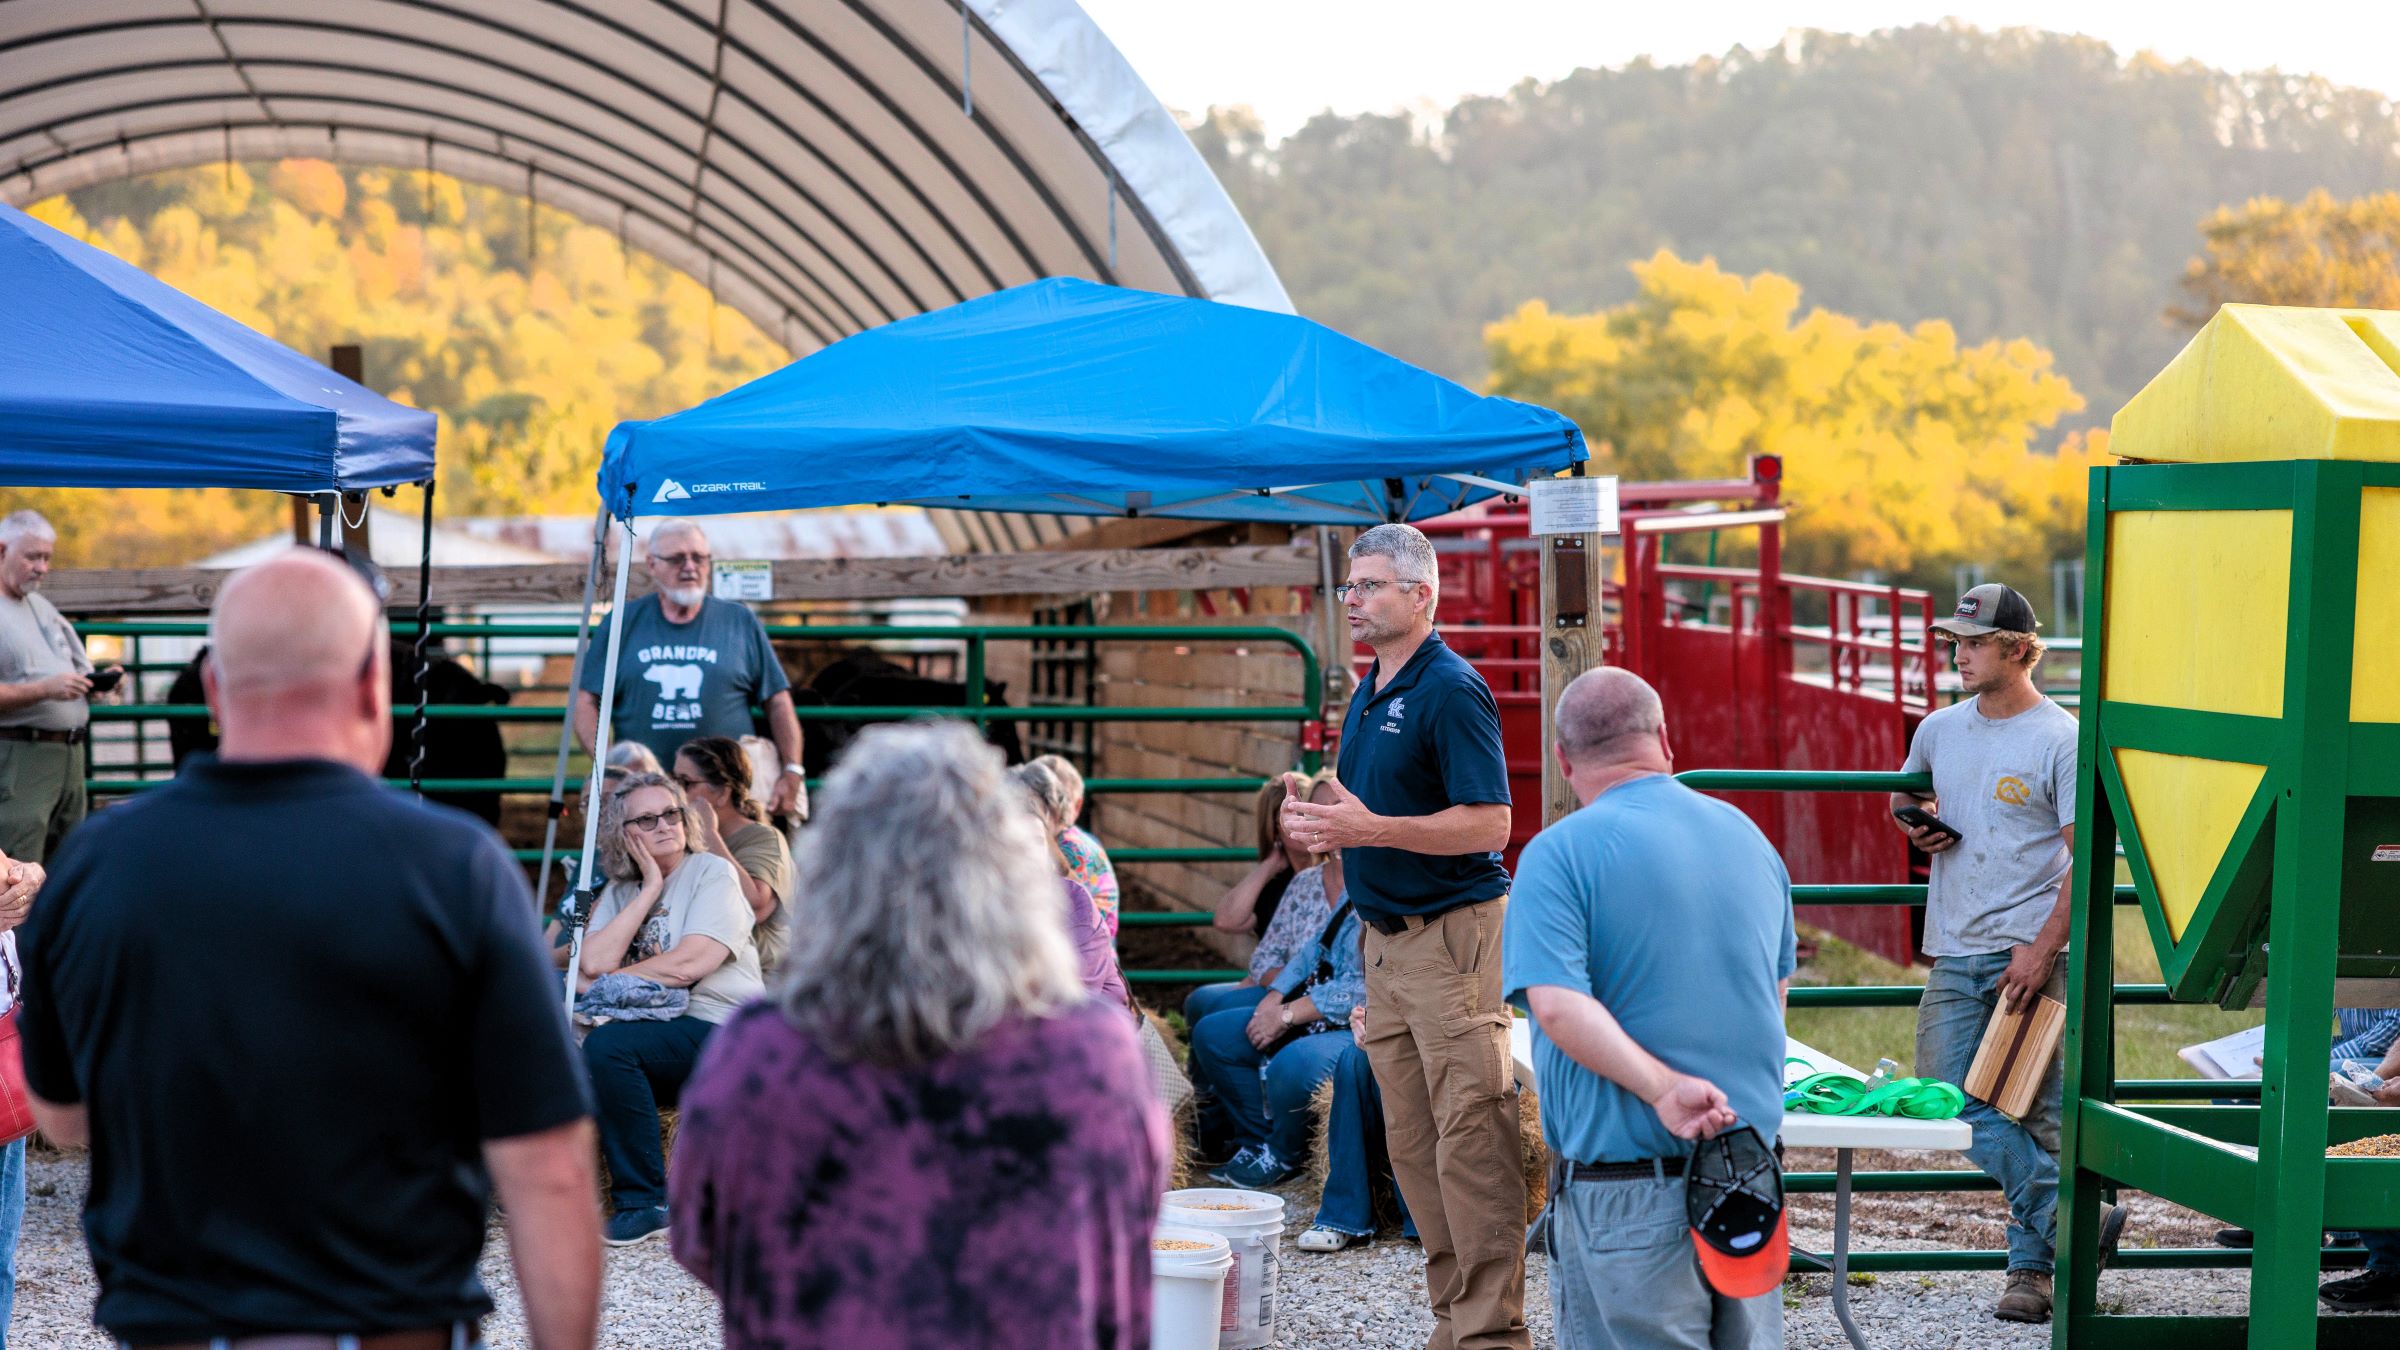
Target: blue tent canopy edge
[
  {"x": 113, "y": 378},
  {"x": 1070, "y": 397}
]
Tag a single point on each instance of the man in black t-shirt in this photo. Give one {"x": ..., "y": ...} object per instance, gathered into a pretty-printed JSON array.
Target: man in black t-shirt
[{"x": 307, "y": 1023}]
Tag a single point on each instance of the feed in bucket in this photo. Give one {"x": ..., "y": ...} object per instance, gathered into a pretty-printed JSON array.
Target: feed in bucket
[
  {"x": 1187, "y": 1288},
  {"x": 1251, "y": 1222}
]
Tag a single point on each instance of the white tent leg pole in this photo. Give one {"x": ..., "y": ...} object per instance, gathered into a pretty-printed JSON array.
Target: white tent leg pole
[
  {"x": 566, "y": 731},
  {"x": 589, "y": 892}
]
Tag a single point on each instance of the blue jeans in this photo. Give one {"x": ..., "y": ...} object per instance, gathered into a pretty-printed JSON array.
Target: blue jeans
[
  {"x": 1209, "y": 998},
  {"x": 12, "y": 1225},
  {"x": 2383, "y": 1249},
  {"x": 1623, "y": 1275},
  {"x": 1356, "y": 1160},
  {"x": 1247, "y": 1097},
  {"x": 1960, "y": 996},
  {"x": 636, "y": 1068}
]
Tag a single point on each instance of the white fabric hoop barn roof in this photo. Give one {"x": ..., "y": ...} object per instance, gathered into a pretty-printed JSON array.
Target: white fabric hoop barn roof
[{"x": 825, "y": 165}]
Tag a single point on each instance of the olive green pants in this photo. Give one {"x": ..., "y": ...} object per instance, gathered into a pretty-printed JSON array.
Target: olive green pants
[{"x": 41, "y": 797}]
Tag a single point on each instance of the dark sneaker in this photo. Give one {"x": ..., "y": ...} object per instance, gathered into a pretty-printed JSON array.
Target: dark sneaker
[
  {"x": 629, "y": 1226},
  {"x": 1241, "y": 1158},
  {"x": 1256, "y": 1169},
  {"x": 2112, "y": 1231},
  {"x": 2027, "y": 1298},
  {"x": 2236, "y": 1238},
  {"x": 2369, "y": 1291}
]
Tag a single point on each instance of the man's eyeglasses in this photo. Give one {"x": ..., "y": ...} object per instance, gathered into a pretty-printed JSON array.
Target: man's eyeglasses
[
  {"x": 679, "y": 561},
  {"x": 655, "y": 819},
  {"x": 1365, "y": 590}
]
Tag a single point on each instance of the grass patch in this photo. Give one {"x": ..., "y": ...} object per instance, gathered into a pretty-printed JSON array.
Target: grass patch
[{"x": 2147, "y": 1037}]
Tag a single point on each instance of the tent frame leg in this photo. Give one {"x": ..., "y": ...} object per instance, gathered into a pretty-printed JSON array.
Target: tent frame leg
[
  {"x": 589, "y": 892},
  {"x": 557, "y": 808}
]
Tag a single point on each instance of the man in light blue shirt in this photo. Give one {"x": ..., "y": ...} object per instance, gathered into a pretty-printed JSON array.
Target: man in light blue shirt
[{"x": 1651, "y": 939}]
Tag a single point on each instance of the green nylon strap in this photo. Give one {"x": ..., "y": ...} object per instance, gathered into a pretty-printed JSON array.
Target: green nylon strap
[{"x": 1840, "y": 1094}]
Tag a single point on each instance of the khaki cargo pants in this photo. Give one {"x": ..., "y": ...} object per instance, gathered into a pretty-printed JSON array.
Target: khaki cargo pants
[
  {"x": 1437, "y": 1034},
  {"x": 41, "y": 797}
]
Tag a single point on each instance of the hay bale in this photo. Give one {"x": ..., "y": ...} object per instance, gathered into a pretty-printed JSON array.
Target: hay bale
[
  {"x": 1183, "y": 1149},
  {"x": 1536, "y": 1158}
]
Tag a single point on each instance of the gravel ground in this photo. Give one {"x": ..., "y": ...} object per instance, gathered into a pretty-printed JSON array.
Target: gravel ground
[{"x": 1366, "y": 1296}]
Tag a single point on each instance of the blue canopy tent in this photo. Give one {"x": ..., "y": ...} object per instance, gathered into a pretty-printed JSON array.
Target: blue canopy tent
[
  {"x": 110, "y": 378},
  {"x": 1070, "y": 397},
  {"x": 115, "y": 379}
]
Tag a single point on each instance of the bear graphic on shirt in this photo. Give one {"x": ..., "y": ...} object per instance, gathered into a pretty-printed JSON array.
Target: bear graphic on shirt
[{"x": 675, "y": 681}]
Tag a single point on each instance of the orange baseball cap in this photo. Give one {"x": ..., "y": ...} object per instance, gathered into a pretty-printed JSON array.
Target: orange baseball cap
[{"x": 1733, "y": 1198}]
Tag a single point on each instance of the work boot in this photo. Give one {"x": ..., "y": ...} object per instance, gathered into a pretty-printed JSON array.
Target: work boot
[
  {"x": 2027, "y": 1298},
  {"x": 2372, "y": 1291}
]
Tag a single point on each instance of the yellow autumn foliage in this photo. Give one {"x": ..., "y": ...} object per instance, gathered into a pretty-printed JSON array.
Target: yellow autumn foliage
[
  {"x": 1905, "y": 451},
  {"x": 530, "y": 351}
]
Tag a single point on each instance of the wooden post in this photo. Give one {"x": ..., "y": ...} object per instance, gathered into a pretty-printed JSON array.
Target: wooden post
[
  {"x": 350, "y": 362},
  {"x": 1572, "y": 624}
]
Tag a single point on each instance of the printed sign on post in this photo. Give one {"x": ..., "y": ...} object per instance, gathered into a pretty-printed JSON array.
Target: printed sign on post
[
  {"x": 744, "y": 581},
  {"x": 1574, "y": 505}
]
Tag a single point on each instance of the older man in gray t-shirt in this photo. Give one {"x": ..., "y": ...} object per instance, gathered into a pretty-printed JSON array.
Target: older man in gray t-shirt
[{"x": 2003, "y": 768}]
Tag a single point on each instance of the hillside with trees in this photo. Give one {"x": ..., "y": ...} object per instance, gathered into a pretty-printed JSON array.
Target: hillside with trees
[{"x": 2016, "y": 184}]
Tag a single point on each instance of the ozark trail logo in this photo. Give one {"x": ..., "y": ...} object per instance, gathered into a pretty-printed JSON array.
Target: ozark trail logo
[
  {"x": 2013, "y": 791},
  {"x": 671, "y": 491}
]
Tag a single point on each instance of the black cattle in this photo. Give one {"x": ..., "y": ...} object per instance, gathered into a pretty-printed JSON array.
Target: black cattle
[
  {"x": 863, "y": 678},
  {"x": 454, "y": 748}
]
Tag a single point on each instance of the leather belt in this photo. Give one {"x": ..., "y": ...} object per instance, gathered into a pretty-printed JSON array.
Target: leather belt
[
  {"x": 1393, "y": 925},
  {"x": 457, "y": 1336},
  {"x": 1641, "y": 1169},
  {"x": 43, "y": 735}
]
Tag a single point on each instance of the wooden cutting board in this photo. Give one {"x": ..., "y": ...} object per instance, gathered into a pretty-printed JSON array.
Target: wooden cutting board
[{"x": 2017, "y": 1048}]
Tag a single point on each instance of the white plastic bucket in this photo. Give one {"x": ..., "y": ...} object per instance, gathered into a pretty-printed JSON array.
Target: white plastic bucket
[
  {"x": 1251, "y": 1222},
  {"x": 1187, "y": 1288}
]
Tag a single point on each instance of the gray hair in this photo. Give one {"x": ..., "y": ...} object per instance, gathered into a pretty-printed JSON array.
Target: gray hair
[
  {"x": 1408, "y": 548},
  {"x": 668, "y": 529},
  {"x": 615, "y": 862},
  {"x": 924, "y": 910},
  {"x": 635, "y": 756},
  {"x": 1048, "y": 792},
  {"x": 1604, "y": 706},
  {"x": 16, "y": 525}
]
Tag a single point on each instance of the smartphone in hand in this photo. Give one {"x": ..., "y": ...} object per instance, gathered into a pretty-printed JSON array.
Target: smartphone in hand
[
  {"x": 1918, "y": 818},
  {"x": 105, "y": 680}
]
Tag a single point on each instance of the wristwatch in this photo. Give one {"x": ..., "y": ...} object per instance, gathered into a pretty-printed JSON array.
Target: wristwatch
[
  {"x": 795, "y": 770},
  {"x": 1287, "y": 1016}
]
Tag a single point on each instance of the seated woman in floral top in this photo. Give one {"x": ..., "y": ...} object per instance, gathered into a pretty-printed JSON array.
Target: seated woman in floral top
[
  {"x": 1087, "y": 862},
  {"x": 929, "y": 1134},
  {"x": 1256, "y": 1069}
]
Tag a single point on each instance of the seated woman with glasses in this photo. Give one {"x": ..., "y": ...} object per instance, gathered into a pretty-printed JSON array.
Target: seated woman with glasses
[
  {"x": 674, "y": 915},
  {"x": 715, "y": 772}
]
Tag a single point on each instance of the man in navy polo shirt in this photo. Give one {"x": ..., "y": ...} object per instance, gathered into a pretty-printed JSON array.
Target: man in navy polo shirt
[{"x": 1421, "y": 818}]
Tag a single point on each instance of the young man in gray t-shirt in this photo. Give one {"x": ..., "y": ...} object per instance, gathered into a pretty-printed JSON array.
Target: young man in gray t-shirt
[{"x": 2003, "y": 766}]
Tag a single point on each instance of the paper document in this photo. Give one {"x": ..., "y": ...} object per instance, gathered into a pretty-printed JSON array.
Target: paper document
[{"x": 2234, "y": 1056}]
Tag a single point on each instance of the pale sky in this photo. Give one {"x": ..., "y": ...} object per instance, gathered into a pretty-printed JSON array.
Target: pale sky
[{"x": 1293, "y": 58}]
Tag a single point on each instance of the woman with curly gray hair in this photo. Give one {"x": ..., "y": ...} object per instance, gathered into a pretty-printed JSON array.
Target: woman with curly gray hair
[
  {"x": 974, "y": 1141},
  {"x": 675, "y": 916}
]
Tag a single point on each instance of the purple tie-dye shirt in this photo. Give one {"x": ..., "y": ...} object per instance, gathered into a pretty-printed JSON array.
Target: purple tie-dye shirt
[{"x": 1001, "y": 1197}]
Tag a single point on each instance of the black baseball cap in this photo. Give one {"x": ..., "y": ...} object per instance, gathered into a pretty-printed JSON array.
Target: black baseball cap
[
  {"x": 1989, "y": 608},
  {"x": 1733, "y": 1200}
]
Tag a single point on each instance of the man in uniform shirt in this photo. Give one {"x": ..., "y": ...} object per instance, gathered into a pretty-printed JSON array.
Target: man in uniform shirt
[
  {"x": 45, "y": 698},
  {"x": 691, "y": 665},
  {"x": 1421, "y": 818}
]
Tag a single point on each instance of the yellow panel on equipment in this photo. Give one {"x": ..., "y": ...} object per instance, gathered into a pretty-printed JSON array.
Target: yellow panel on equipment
[
  {"x": 2264, "y": 382},
  {"x": 2195, "y": 609},
  {"x": 2185, "y": 811},
  {"x": 2375, "y": 661}
]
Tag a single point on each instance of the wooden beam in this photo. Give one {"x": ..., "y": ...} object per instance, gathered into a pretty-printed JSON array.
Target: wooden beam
[
  {"x": 189, "y": 589},
  {"x": 1572, "y": 625}
]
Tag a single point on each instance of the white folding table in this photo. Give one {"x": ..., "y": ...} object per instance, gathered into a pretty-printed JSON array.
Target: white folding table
[{"x": 1842, "y": 1134}]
